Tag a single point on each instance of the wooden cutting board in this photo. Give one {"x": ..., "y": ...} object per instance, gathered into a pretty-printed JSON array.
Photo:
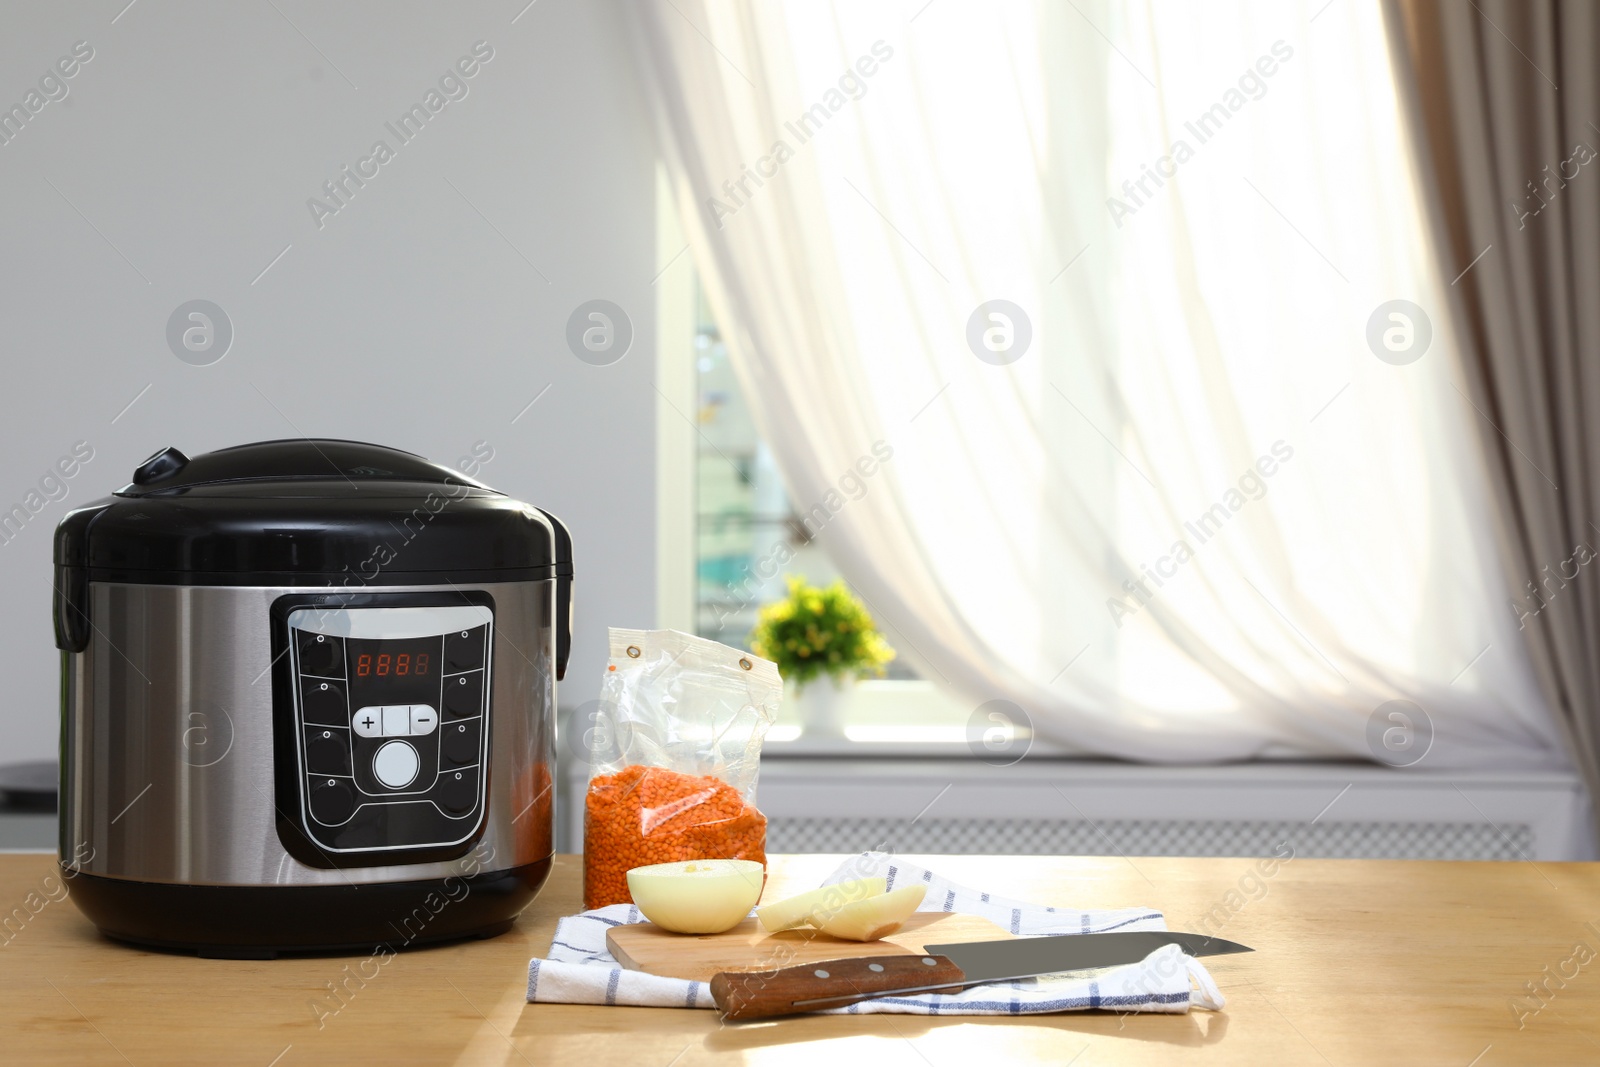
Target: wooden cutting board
[{"x": 646, "y": 947}]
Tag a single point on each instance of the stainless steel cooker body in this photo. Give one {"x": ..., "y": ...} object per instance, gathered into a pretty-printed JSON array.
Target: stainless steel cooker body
[{"x": 169, "y": 754}]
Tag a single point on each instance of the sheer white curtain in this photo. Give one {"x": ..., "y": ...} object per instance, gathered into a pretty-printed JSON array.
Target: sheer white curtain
[{"x": 1198, "y": 518}]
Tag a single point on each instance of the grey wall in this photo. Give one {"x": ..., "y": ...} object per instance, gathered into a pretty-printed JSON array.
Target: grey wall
[{"x": 179, "y": 165}]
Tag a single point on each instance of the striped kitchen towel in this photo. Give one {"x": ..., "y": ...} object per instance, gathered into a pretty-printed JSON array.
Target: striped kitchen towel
[{"x": 579, "y": 969}]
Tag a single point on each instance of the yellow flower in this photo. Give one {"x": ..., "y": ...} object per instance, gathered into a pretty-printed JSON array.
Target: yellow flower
[{"x": 819, "y": 629}]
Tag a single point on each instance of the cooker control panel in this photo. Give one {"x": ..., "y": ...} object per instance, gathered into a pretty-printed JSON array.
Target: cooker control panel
[{"x": 391, "y": 719}]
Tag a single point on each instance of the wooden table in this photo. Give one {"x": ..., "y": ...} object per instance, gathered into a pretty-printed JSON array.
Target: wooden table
[{"x": 1358, "y": 962}]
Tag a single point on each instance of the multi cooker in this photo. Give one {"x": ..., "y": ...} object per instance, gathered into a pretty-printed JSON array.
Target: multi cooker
[{"x": 308, "y": 700}]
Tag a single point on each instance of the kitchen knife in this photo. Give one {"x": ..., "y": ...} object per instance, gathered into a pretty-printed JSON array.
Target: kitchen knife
[{"x": 944, "y": 969}]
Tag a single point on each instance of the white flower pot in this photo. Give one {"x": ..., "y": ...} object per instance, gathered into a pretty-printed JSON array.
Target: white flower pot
[{"x": 821, "y": 705}]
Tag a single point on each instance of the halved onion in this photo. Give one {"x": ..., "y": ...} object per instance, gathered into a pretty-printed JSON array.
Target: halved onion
[{"x": 697, "y": 896}]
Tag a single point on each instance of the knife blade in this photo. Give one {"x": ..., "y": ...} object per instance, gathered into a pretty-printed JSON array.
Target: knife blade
[{"x": 944, "y": 968}]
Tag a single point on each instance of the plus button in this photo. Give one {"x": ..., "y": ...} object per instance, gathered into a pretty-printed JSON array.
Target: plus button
[{"x": 367, "y": 722}]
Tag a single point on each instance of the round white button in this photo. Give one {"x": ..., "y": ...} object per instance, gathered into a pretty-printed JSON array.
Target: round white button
[{"x": 396, "y": 764}]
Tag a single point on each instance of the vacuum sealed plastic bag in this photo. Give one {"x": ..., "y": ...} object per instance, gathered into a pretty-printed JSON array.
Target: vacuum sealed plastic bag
[{"x": 675, "y": 779}]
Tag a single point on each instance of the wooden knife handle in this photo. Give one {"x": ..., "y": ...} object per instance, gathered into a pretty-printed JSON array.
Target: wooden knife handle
[{"x": 759, "y": 994}]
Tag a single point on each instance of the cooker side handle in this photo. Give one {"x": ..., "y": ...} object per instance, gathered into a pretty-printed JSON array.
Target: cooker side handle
[
  {"x": 72, "y": 608},
  {"x": 71, "y": 594},
  {"x": 563, "y": 620}
]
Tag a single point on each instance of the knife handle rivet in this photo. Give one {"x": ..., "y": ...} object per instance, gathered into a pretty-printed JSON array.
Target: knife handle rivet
[
  {"x": 929, "y": 961},
  {"x": 875, "y": 967},
  {"x": 820, "y": 973}
]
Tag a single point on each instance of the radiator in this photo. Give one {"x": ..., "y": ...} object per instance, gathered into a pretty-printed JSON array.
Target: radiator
[
  {"x": 1156, "y": 837},
  {"x": 1100, "y": 807}
]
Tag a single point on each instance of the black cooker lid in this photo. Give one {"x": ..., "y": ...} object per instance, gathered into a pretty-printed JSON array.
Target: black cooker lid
[
  {"x": 306, "y": 512},
  {"x": 277, "y": 511},
  {"x": 271, "y": 468}
]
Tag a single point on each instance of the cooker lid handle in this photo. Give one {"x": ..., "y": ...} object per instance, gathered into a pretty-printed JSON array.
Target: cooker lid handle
[{"x": 164, "y": 464}]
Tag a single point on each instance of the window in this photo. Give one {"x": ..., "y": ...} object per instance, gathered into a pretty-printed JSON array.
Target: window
[
  {"x": 743, "y": 516},
  {"x": 724, "y": 512}
]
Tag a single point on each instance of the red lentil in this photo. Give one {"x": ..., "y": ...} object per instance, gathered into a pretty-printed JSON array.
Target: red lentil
[{"x": 643, "y": 815}]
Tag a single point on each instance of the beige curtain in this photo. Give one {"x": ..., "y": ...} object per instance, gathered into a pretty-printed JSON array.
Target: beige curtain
[{"x": 1504, "y": 100}]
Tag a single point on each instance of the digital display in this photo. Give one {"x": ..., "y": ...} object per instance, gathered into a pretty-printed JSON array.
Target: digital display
[
  {"x": 393, "y": 671},
  {"x": 400, "y": 663}
]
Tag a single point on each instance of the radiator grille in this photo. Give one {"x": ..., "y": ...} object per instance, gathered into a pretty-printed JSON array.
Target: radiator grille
[{"x": 1326, "y": 840}]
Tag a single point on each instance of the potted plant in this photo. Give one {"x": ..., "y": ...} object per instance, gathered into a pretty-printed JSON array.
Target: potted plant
[{"x": 822, "y": 640}]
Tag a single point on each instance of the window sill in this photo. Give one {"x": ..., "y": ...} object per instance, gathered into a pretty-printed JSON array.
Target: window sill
[{"x": 902, "y": 719}]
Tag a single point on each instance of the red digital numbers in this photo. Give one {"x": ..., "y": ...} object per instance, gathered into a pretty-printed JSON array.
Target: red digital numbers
[{"x": 401, "y": 663}]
